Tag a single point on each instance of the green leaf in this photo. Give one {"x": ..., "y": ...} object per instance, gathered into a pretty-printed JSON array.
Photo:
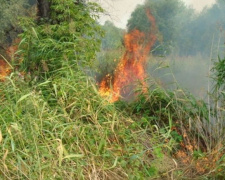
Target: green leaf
[
  {"x": 158, "y": 152},
  {"x": 73, "y": 156},
  {"x": 24, "y": 97}
]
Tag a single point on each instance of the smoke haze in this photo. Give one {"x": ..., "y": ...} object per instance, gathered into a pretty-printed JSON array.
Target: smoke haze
[
  {"x": 199, "y": 4},
  {"x": 185, "y": 39},
  {"x": 119, "y": 11}
]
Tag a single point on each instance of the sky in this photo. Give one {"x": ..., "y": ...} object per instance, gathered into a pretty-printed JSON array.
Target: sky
[{"x": 119, "y": 11}]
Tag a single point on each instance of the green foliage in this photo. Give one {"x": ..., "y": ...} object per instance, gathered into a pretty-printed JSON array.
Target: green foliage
[
  {"x": 166, "y": 110},
  {"x": 219, "y": 74},
  {"x": 198, "y": 154},
  {"x": 60, "y": 127},
  {"x": 202, "y": 28},
  {"x": 182, "y": 30},
  {"x": 139, "y": 20},
  {"x": 107, "y": 61},
  {"x": 71, "y": 37},
  {"x": 164, "y": 12},
  {"x": 217, "y": 98},
  {"x": 80, "y": 134},
  {"x": 177, "y": 137},
  {"x": 9, "y": 12},
  {"x": 113, "y": 36},
  {"x": 156, "y": 106},
  {"x": 111, "y": 52}
]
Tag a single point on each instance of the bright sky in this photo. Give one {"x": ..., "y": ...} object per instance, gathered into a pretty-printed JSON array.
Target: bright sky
[{"x": 119, "y": 11}]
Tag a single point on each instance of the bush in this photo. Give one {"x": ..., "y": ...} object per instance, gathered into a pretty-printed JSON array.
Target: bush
[{"x": 71, "y": 37}]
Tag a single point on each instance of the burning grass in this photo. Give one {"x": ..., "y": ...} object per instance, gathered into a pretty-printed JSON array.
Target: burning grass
[
  {"x": 4, "y": 70},
  {"x": 130, "y": 69},
  {"x": 61, "y": 128},
  {"x": 183, "y": 126},
  {"x": 5, "y": 66},
  {"x": 79, "y": 136}
]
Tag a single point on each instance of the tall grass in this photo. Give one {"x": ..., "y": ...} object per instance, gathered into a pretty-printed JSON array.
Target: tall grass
[
  {"x": 181, "y": 117},
  {"x": 54, "y": 124},
  {"x": 62, "y": 128}
]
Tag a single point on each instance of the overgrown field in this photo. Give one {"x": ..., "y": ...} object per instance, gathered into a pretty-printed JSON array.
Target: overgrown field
[
  {"x": 55, "y": 125},
  {"x": 62, "y": 128}
]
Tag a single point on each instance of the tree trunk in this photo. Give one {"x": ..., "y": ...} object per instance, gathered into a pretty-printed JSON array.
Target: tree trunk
[{"x": 43, "y": 9}]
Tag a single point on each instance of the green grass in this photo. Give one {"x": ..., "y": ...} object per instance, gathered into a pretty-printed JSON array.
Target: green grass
[
  {"x": 55, "y": 125},
  {"x": 62, "y": 128},
  {"x": 107, "y": 62},
  {"x": 167, "y": 106}
]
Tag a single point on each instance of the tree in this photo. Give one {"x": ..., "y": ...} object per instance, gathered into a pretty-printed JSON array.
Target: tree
[
  {"x": 9, "y": 12},
  {"x": 113, "y": 36},
  {"x": 165, "y": 13},
  {"x": 184, "y": 20},
  {"x": 197, "y": 34},
  {"x": 182, "y": 30},
  {"x": 43, "y": 9}
]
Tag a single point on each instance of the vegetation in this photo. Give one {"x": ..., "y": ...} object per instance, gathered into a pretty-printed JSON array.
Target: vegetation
[
  {"x": 113, "y": 36},
  {"x": 55, "y": 125},
  {"x": 173, "y": 72},
  {"x": 47, "y": 47},
  {"x": 181, "y": 30},
  {"x": 10, "y": 11},
  {"x": 111, "y": 50}
]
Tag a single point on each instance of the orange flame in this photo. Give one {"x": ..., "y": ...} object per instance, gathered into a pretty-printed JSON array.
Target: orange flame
[
  {"x": 131, "y": 66},
  {"x": 4, "y": 69}
]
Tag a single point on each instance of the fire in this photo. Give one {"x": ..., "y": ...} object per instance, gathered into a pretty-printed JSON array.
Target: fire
[
  {"x": 131, "y": 66},
  {"x": 4, "y": 70}
]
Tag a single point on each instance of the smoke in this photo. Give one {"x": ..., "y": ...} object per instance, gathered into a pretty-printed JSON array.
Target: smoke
[
  {"x": 119, "y": 11},
  {"x": 186, "y": 39},
  {"x": 131, "y": 66},
  {"x": 188, "y": 73},
  {"x": 200, "y": 4}
]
